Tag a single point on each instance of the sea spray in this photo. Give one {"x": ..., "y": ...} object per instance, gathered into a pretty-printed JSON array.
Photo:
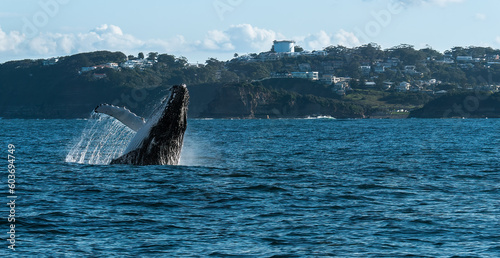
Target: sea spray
[{"x": 102, "y": 140}]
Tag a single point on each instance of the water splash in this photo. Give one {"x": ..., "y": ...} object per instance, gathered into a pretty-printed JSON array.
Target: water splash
[{"x": 103, "y": 139}]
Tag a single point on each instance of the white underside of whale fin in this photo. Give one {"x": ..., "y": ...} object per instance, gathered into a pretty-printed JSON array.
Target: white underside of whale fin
[
  {"x": 145, "y": 130},
  {"x": 123, "y": 115}
]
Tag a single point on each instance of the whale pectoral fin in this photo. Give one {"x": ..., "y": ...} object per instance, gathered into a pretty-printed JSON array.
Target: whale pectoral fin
[{"x": 123, "y": 115}]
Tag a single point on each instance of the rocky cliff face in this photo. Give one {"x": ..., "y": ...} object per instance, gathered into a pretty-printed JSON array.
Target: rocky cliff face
[
  {"x": 207, "y": 101},
  {"x": 458, "y": 105},
  {"x": 249, "y": 101}
]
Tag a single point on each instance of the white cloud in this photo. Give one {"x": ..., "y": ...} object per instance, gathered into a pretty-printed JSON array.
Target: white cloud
[
  {"x": 322, "y": 39},
  {"x": 218, "y": 40},
  {"x": 318, "y": 41},
  {"x": 107, "y": 37},
  {"x": 247, "y": 38},
  {"x": 43, "y": 45},
  {"x": 108, "y": 30},
  {"x": 50, "y": 44},
  {"x": 10, "y": 41},
  {"x": 66, "y": 43},
  {"x": 103, "y": 37},
  {"x": 347, "y": 39},
  {"x": 240, "y": 38}
]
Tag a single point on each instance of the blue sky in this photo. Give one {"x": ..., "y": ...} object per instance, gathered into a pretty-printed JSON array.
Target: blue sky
[{"x": 200, "y": 29}]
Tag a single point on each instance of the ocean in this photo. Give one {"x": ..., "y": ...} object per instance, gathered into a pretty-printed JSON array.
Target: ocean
[{"x": 259, "y": 188}]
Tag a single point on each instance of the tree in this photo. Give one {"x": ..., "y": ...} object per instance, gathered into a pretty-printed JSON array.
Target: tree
[
  {"x": 371, "y": 51},
  {"x": 431, "y": 53},
  {"x": 212, "y": 62},
  {"x": 140, "y": 55},
  {"x": 407, "y": 53},
  {"x": 298, "y": 49},
  {"x": 181, "y": 61},
  {"x": 152, "y": 56},
  {"x": 167, "y": 59},
  {"x": 459, "y": 51},
  {"x": 336, "y": 50}
]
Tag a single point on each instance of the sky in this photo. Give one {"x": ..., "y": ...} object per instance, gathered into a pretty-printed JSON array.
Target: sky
[{"x": 202, "y": 29}]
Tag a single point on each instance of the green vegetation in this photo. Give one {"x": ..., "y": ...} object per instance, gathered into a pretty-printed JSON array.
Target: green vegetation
[{"x": 68, "y": 87}]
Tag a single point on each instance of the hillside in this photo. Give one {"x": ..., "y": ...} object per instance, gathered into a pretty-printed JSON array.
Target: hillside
[
  {"x": 257, "y": 101},
  {"x": 461, "y": 105},
  {"x": 255, "y": 86},
  {"x": 61, "y": 90}
]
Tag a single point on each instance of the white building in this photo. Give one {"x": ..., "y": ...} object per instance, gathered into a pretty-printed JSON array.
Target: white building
[
  {"x": 141, "y": 63},
  {"x": 370, "y": 84},
  {"x": 329, "y": 79},
  {"x": 284, "y": 46}
]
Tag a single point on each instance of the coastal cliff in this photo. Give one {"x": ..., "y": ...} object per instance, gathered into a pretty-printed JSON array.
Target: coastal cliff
[
  {"x": 461, "y": 105},
  {"x": 215, "y": 100},
  {"x": 70, "y": 87},
  {"x": 251, "y": 101}
]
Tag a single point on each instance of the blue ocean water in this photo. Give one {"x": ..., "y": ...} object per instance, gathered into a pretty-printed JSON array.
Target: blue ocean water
[{"x": 263, "y": 188}]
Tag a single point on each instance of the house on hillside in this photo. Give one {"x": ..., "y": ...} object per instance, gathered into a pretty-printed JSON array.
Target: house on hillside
[
  {"x": 329, "y": 79},
  {"x": 370, "y": 84},
  {"x": 140, "y": 63},
  {"x": 341, "y": 87}
]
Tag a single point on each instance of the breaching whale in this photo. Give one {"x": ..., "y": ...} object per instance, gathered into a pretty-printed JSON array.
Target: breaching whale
[{"x": 159, "y": 139}]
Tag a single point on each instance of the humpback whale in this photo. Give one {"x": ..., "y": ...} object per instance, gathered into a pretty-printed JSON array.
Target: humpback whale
[{"x": 159, "y": 139}]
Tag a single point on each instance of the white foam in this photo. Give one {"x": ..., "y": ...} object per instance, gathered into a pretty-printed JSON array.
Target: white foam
[{"x": 102, "y": 140}]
